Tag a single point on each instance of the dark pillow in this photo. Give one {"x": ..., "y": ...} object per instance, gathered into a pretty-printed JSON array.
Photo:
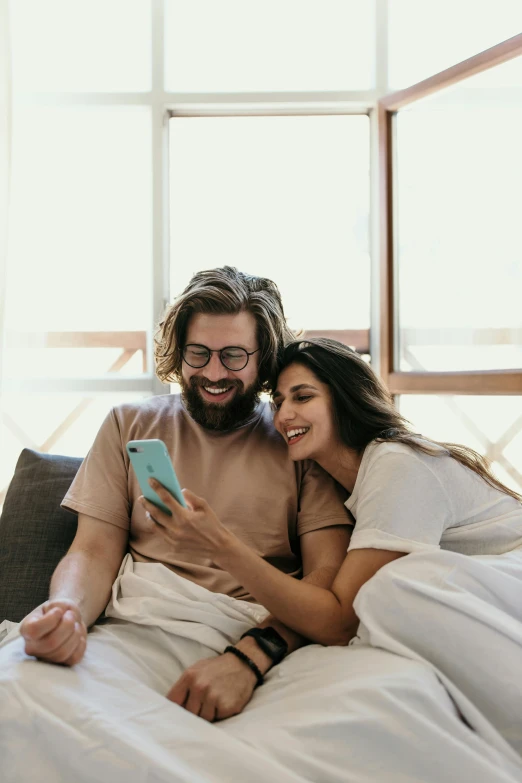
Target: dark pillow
[{"x": 35, "y": 532}]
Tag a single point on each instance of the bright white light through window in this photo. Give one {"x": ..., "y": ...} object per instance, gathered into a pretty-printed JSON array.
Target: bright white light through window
[{"x": 283, "y": 197}]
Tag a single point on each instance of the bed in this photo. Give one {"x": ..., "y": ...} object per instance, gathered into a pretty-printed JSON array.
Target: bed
[{"x": 359, "y": 713}]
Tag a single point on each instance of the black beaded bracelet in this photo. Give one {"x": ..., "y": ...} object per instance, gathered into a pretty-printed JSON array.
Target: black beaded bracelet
[{"x": 249, "y": 662}]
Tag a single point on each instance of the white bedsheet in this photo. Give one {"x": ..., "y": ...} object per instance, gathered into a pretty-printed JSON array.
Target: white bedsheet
[
  {"x": 325, "y": 715},
  {"x": 462, "y": 615}
]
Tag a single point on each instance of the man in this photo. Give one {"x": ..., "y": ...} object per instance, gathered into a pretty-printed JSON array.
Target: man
[{"x": 220, "y": 340}]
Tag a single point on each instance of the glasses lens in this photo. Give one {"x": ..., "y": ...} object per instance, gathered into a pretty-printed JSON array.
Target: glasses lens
[
  {"x": 196, "y": 355},
  {"x": 234, "y": 358}
]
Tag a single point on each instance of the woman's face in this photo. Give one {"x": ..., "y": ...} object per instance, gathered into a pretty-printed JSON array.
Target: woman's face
[{"x": 303, "y": 413}]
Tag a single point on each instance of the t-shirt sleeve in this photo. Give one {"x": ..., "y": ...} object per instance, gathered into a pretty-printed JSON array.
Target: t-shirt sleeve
[
  {"x": 402, "y": 506},
  {"x": 321, "y": 501},
  {"x": 100, "y": 488}
]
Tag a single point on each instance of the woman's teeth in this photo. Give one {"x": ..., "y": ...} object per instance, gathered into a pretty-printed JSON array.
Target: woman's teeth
[{"x": 292, "y": 434}]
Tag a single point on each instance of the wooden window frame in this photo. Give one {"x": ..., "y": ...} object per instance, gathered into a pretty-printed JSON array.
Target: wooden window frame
[{"x": 488, "y": 382}]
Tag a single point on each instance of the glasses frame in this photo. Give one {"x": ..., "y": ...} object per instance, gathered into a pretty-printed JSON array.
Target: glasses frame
[{"x": 219, "y": 351}]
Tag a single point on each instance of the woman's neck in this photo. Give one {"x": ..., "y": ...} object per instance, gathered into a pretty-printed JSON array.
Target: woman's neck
[{"x": 343, "y": 465}]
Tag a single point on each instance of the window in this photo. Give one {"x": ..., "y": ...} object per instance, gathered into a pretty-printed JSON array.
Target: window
[
  {"x": 454, "y": 256},
  {"x": 490, "y": 425},
  {"x": 459, "y": 255}
]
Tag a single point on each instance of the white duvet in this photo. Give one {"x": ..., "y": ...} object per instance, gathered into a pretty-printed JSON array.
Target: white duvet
[{"x": 324, "y": 715}]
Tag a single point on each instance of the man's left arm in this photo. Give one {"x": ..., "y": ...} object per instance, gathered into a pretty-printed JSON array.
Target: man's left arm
[{"x": 217, "y": 688}]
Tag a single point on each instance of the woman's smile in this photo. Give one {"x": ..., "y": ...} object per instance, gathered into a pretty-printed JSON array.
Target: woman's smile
[{"x": 295, "y": 434}]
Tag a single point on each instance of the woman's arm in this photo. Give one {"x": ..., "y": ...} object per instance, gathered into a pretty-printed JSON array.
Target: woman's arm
[{"x": 322, "y": 615}]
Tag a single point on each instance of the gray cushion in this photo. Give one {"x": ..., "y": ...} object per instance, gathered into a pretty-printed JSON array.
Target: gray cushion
[{"x": 35, "y": 532}]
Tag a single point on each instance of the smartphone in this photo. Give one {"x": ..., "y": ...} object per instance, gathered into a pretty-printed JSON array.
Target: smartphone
[{"x": 150, "y": 459}]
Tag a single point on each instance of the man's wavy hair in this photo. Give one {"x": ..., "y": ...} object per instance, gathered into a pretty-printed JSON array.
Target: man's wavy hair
[{"x": 220, "y": 291}]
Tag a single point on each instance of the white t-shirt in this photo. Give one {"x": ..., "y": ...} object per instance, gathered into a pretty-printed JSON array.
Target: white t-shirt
[{"x": 407, "y": 501}]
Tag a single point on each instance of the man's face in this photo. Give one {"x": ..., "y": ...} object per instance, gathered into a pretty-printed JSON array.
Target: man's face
[{"x": 216, "y": 397}]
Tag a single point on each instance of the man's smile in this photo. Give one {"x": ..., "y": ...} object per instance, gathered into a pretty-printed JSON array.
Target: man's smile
[{"x": 216, "y": 393}]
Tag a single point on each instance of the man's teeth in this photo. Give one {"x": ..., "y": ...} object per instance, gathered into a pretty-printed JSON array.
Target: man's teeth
[
  {"x": 212, "y": 390},
  {"x": 294, "y": 433}
]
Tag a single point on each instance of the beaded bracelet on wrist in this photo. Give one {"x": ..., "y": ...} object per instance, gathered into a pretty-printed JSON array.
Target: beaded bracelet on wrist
[{"x": 249, "y": 662}]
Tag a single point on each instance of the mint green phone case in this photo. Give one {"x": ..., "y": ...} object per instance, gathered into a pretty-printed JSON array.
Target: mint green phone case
[{"x": 150, "y": 459}]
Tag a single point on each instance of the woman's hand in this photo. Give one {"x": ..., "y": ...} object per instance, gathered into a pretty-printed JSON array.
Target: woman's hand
[{"x": 195, "y": 527}]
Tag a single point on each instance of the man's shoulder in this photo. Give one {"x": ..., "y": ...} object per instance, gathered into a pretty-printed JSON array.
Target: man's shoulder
[
  {"x": 152, "y": 408},
  {"x": 156, "y": 402}
]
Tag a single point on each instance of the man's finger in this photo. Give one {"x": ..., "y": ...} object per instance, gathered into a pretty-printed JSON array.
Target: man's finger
[
  {"x": 194, "y": 703},
  {"x": 79, "y": 652},
  {"x": 208, "y": 710},
  {"x": 224, "y": 711},
  {"x": 64, "y": 652},
  {"x": 179, "y": 692},
  {"x": 46, "y": 645},
  {"x": 38, "y": 626}
]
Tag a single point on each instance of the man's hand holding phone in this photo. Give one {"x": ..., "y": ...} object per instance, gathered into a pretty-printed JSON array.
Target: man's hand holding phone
[{"x": 55, "y": 632}]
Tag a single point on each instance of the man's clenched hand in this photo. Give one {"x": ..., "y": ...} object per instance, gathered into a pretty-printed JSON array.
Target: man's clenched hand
[
  {"x": 214, "y": 688},
  {"x": 55, "y": 632}
]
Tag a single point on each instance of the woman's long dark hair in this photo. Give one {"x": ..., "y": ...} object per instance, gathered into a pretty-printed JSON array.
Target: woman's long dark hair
[{"x": 363, "y": 408}]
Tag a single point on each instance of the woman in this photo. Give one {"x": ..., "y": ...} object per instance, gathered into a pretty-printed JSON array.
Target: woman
[{"x": 456, "y": 596}]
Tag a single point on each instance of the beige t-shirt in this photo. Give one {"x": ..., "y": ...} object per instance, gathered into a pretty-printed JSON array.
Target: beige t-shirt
[{"x": 245, "y": 474}]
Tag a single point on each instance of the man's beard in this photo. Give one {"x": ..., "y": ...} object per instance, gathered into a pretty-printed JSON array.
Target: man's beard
[{"x": 220, "y": 416}]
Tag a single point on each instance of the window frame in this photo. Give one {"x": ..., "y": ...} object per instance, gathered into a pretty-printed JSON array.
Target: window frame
[{"x": 484, "y": 382}]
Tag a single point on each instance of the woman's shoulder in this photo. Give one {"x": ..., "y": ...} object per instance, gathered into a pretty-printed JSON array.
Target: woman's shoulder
[
  {"x": 400, "y": 454},
  {"x": 381, "y": 448}
]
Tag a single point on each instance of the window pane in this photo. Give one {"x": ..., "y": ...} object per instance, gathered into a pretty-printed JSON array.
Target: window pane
[
  {"x": 427, "y": 37},
  {"x": 80, "y": 243},
  {"x": 459, "y": 244},
  {"x": 283, "y": 197},
  {"x": 244, "y": 46},
  {"x": 490, "y": 425},
  {"x": 78, "y": 46},
  {"x": 58, "y": 424}
]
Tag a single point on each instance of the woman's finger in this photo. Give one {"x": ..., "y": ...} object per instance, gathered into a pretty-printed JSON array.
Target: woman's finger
[
  {"x": 152, "y": 519},
  {"x": 164, "y": 495},
  {"x": 155, "y": 513},
  {"x": 193, "y": 500}
]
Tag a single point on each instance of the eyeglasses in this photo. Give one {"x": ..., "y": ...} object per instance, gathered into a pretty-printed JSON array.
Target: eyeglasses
[{"x": 231, "y": 357}]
